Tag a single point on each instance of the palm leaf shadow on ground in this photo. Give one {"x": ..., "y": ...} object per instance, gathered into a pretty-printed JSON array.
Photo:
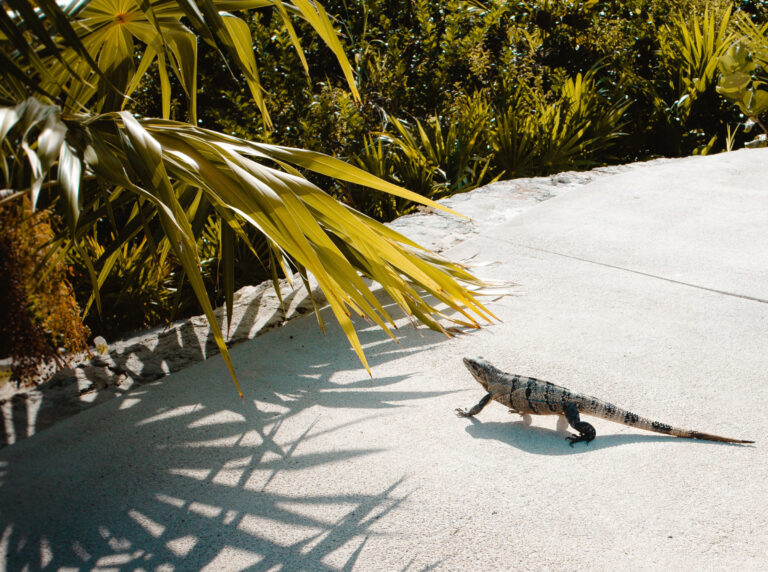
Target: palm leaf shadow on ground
[
  {"x": 148, "y": 358},
  {"x": 193, "y": 482},
  {"x": 142, "y": 359}
]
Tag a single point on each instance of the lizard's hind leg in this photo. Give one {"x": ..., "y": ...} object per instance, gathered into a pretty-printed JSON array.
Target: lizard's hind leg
[{"x": 586, "y": 431}]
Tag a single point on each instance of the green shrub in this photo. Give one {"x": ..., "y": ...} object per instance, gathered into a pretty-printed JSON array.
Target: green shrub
[
  {"x": 744, "y": 75},
  {"x": 136, "y": 293},
  {"x": 443, "y": 155},
  {"x": 435, "y": 158},
  {"x": 535, "y": 137}
]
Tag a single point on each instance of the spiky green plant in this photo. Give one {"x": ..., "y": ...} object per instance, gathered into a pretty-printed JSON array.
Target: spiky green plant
[
  {"x": 534, "y": 137},
  {"x": 443, "y": 155},
  {"x": 684, "y": 99},
  {"x": 694, "y": 44}
]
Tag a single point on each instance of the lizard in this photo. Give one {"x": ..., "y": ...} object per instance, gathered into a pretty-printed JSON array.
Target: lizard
[{"x": 528, "y": 395}]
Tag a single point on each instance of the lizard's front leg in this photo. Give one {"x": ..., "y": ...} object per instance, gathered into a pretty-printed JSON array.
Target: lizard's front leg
[
  {"x": 477, "y": 408},
  {"x": 586, "y": 431}
]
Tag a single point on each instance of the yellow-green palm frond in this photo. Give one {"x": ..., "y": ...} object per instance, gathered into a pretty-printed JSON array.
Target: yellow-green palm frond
[
  {"x": 91, "y": 59},
  {"x": 160, "y": 163}
]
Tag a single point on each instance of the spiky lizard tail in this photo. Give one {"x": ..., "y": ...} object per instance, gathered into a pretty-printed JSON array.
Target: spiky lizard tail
[{"x": 604, "y": 410}]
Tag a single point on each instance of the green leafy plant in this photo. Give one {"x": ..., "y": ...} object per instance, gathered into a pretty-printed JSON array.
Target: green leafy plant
[
  {"x": 377, "y": 158},
  {"x": 695, "y": 43},
  {"x": 743, "y": 76},
  {"x": 138, "y": 290},
  {"x": 533, "y": 136},
  {"x": 691, "y": 46},
  {"x": 163, "y": 173},
  {"x": 452, "y": 149}
]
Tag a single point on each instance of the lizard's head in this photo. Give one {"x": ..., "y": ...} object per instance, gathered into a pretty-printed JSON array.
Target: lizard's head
[{"x": 479, "y": 368}]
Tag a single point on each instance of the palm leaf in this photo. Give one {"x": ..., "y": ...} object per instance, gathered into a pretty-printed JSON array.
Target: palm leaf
[
  {"x": 97, "y": 58},
  {"x": 165, "y": 165},
  {"x": 171, "y": 176}
]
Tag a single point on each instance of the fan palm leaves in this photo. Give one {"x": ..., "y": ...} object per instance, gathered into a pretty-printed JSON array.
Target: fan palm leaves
[
  {"x": 103, "y": 37},
  {"x": 65, "y": 135}
]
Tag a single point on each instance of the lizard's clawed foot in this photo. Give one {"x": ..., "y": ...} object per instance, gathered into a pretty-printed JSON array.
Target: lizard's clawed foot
[
  {"x": 462, "y": 413},
  {"x": 578, "y": 438},
  {"x": 586, "y": 431}
]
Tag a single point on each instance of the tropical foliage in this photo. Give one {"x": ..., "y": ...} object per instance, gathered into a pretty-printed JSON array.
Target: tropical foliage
[
  {"x": 69, "y": 143},
  {"x": 744, "y": 74},
  {"x": 418, "y": 64}
]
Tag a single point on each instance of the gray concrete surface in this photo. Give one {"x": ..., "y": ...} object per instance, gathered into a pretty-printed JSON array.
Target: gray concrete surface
[{"x": 648, "y": 288}]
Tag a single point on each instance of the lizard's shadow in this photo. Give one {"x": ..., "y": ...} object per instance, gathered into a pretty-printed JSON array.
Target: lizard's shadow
[{"x": 543, "y": 441}]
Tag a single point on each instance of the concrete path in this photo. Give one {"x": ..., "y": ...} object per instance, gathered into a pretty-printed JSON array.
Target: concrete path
[{"x": 648, "y": 288}]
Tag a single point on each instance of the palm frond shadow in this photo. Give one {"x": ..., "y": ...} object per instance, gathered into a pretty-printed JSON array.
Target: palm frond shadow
[
  {"x": 196, "y": 479},
  {"x": 186, "y": 520},
  {"x": 192, "y": 341},
  {"x": 130, "y": 366},
  {"x": 202, "y": 495}
]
